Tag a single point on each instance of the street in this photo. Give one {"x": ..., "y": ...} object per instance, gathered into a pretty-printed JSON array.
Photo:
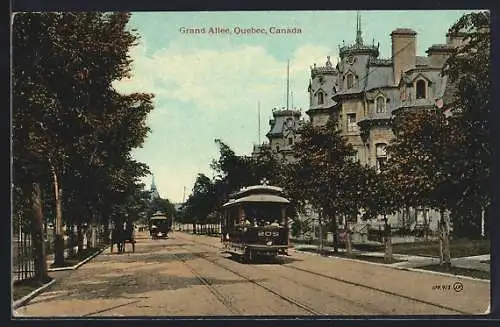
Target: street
[{"x": 186, "y": 275}]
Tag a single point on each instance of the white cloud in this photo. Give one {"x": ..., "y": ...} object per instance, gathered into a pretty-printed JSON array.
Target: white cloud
[{"x": 202, "y": 94}]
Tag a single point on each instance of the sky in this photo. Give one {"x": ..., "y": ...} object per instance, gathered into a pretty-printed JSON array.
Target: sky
[{"x": 210, "y": 86}]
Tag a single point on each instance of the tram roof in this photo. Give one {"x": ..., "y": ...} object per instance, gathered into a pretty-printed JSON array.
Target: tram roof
[
  {"x": 159, "y": 215},
  {"x": 257, "y": 189},
  {"x": 257, "y": 198}
]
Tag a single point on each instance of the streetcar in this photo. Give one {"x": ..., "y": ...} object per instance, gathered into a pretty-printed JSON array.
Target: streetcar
[
  {"x": 159, "y": 225},
  {"x": 254, "y": 223}
]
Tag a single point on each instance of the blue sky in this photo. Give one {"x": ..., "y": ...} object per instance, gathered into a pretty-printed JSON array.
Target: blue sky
[{"x": 209, "y": 86}]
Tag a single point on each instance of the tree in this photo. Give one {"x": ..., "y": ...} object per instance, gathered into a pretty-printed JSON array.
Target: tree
[
  {"x": 468, "y": 70},
  {"x": 422, "y": 176},
  {"x": 354, "y": 192},
  {"x": 64, "y": 104},
  {"x": 162, "y": 205},
  {"x": 383, "y": 199},
  {"x": 266, "y": 166},
  {"x": 316, "y": 178},
  {"x": 202, "y": 201}
]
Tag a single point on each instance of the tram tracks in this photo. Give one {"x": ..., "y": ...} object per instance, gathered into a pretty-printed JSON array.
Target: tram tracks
[
  {"x": 218, "y": 295},
  {"x": 352, "y": 283},
  {"x": 261, "y": 285},
  {"x": 410, "y": 298}
]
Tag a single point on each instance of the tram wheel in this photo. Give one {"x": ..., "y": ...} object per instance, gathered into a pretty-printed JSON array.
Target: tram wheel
[{"x": 251, "y": 256}]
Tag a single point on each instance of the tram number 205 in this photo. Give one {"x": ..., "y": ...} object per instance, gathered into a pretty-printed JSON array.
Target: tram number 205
[{"x": 268, "y": 234}]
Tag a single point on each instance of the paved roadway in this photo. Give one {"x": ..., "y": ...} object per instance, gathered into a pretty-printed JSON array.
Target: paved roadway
[{"x": 186, "y": 275}]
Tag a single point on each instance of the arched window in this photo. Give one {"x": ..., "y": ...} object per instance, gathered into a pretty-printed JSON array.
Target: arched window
[
  {"x": 420, "y": 88},
  {"x": 381, "y": 155},
  {"x": 380, "y": 103},
  {"x": 350, "y": 81},
  {"x": 321, "y": 99}
]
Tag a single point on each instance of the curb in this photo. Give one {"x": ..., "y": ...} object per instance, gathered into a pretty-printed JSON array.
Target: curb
[
  {"x": 30, "y": 296},
  {"x": 80, "y": 263},
  {"x": 401, "y": 268},
  {"x": 443, "y": 274}
]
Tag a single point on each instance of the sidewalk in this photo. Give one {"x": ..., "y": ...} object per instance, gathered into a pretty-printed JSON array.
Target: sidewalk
[{"x": 413, "y": 261}]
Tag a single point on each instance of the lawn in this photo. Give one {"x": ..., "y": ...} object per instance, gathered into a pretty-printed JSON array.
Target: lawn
[
  {"x": 353, "y": 256},
  {"x": 459, "y": 247},
  {"x": 459, "y": 271},
  {"x": 77, "y": 258},
  {"x": 25, "y": 287}
]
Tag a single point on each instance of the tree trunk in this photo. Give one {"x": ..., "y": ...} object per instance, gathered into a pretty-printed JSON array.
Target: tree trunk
[
  {"x": 320, "y": 225},
  {"x": 71, "y": 238},
  {"x": 445, "y": 241},
  {"x": 441, "y": 240},
  {"x": 426, "y": 224},
  {"x": 104, "y": 237},
  {"x": 58, "y": 237},
  {"x": 334, "y": 232},
  {"x": 80, "y": 238},
  {"x": 37, "y": 235},
  {"x": 194, "y": 228},
  {"x": 348, "y": 238},
  {"x": 482, "y": 223},
  {"x": 388, "y": 241}
]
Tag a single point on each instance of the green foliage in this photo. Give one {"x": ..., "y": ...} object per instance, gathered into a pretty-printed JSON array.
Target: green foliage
[
  {"x": 202, "y": 201},
  {"x": 468, "y": 70},
  {"x": 319, "y": 175},
  {"x": 162, "y": 205},
  {"x": 67, "y": 116},
  {"x": 422, "y": 175},
  {"x": 449, "y": 165}
]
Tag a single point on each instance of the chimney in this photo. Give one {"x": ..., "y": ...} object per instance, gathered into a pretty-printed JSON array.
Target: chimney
[
  {"x": 437, "y": 54},
  {"x": 404, "y": 51},
  {"x": 455, "y": 39}
]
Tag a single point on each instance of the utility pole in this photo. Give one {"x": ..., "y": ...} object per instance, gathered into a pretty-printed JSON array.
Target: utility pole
[
  {"x": 287, "y": 83},
  {"x": 258, "y": 109}
]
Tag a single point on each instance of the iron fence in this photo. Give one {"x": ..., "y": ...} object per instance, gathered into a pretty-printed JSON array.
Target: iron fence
[{"x": 23, "y": 260}]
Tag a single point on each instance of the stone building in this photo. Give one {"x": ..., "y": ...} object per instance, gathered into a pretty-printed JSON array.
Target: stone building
[
  {"x": 284, "y": 131},
  {"x": 365, "y": 92}
]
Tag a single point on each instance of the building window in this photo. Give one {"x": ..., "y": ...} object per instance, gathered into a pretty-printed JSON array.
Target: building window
[
  {"x": 350, "y": 81},
  {"x": 354, "y": 157},
  {"x": 352, "y": 126},
  {"x": 381, "y": 156},
  {"x": 321, "y": 99},
  {"x": 380, "y": 103},
  {"x": 290, "y": 141},
  {"x": 420, "y": 88},
  {"x": 277, "y": 148}
]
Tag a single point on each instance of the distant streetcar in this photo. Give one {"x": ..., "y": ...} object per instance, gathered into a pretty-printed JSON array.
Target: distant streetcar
[
  {"x": 255, "y": 222},
  {"x": 159, "y": 225}
]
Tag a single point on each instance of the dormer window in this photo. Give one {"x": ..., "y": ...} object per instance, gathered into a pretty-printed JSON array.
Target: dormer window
[
  {"x": 380, "y": 104},
  {"x": 421, "y": 89},
  {"x": 321, "y": 98},
  {"x": 350, "y": 81}
]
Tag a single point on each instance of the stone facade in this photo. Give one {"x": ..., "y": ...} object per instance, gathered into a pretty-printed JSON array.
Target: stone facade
[
  {"x": 365, "y": 93},
  {"x": 284, "y": 129}
]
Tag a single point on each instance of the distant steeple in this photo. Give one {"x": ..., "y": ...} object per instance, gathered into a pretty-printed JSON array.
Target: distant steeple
[
  {"x": 154, "y": 190},
  {"x": 153, "y": 185},
  {"x": 359, "y": 39}
]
